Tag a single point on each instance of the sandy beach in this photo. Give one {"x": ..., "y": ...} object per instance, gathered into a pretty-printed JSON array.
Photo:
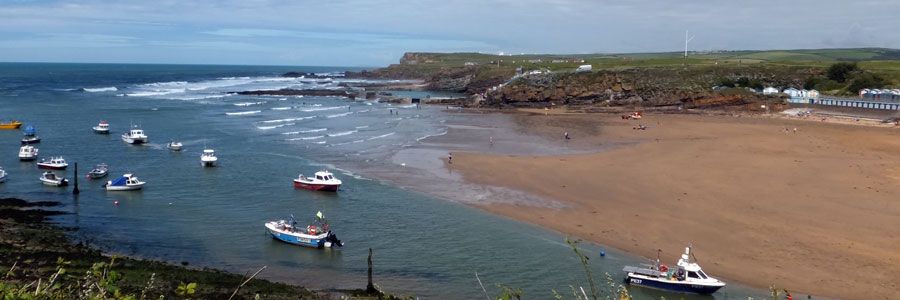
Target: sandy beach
[{"x": 813, "y": 211}]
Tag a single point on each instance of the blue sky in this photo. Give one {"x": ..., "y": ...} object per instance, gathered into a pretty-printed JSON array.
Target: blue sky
[{"x": 377, "y": 32}]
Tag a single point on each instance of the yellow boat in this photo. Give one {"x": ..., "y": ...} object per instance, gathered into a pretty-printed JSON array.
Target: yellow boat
[{"x": 11, "y": 125}]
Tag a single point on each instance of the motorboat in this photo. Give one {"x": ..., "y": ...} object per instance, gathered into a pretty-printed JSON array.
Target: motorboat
[
  {"x": 174, "y": 146},
  {"x": 686, "y": 276},
  {"x": 2, "y": 175},
  {"x": 127, "y": 182},
  {"x": 30, "y": 140},
  {"x": 322, "y": 181},
  {"x": 135, "y": 136},
  {"x": 208, "y": 158},
  {"x": 28, "y": 152},
  {"x": 29, "y": 130},
  {"x": 11, "y": 125},
  {"x": 316, "y": 235},
  {"x": 102, "y": 128},
  {"x": 54, "y": 163},
  {"x": 99, "y": 171},
  {"x": 50, "y": 178}
]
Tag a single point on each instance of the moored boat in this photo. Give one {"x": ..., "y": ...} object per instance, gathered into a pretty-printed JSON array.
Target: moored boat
[
  {"x": 686, "y": 277},
  {"x": 11, "y": 125},
  {"x": 322, "y": 181},
  {"x": 30, "y": 140},
  {"x": 127, "y": 182},
  {"x": 102, "y": 128},
  {"x": 54, "y": 163},
  {"x": 208, "y": 158},
  {"x": 50, "y": 178},
  {"x": 28, "y": 152},
  {"x": 99, "y": 171},
  {"x": 29, "y": 130},
  {"x": 2, "y": 175},
  {"x": 316, "y": 235},
  {"x": 174, "y": 146},
  {"x": 135, "y": 136}
]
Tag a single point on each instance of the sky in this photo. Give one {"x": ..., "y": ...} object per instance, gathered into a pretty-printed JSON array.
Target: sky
[{"x": 374, "y": 33}]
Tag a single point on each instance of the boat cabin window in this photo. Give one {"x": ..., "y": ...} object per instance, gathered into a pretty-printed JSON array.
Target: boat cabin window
[
  {"x": 692, "y": 274},
  {"x": 319, "y": 177},
  {"x": 702, "y": 275}
]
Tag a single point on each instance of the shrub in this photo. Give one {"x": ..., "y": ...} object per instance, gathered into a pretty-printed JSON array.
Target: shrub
[{"x": 840, "y": 72}]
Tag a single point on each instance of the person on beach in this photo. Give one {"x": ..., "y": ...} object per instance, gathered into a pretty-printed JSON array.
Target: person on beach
[
  {"x": 450, "y": 158},
  {"x": 567, "y": 135},
  {"x": 391, "y": 111},
  {"x": 492, "y": 141},
  {"x": 795, "y": 129}
]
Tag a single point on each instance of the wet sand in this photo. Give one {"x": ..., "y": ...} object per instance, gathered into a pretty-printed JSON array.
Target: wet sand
[{"x": 812, "y": 212}]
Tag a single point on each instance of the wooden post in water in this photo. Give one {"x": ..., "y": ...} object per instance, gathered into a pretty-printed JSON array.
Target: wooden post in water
[
  {"x": 370, "y": 288},
  {"x": 76, "y": 191}
]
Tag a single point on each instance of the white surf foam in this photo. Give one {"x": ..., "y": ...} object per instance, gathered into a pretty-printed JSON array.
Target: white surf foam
[
  {"x": 339, "y": 115},
  {"x": 286, "y": 120},
  {"x": 275, "y": 126},
  {"x": 322, "y": 108},
  {"x": 361, "y": 127},
  {"x": 241, "y": 113},
  {"x": 281, "y": 108},
  {"x": 306, "y": 138},
  {"x": 380, "y": 136},
  {"x": 305, "y": 131},
  {"x": 103, "y": 89},
  {"x": 249, "y": 103},
  {"x": 342, "y": 133}
]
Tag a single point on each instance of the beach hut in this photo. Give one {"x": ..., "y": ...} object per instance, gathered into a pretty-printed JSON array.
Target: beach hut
[
  {"x": 813, "y": 94},
  {"x": 863, "y": 93},
  {"x": 770, "y": 91},
  {"x": 792, "y": 92}
]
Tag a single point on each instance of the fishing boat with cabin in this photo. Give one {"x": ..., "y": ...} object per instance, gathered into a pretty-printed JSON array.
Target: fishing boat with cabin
[
  {"x": 135, "y": 136},
  {"x": 28, "y": 152},
  {"x": 316, "y": 235},
  {"x": 127, "y": 182},
  {"x": 50, "y": 178},
  {"x": 54, "y": 163},
  {"x": 685, "y": 277},
  {"x": 322, "y": 181},
  {"x": 11, "y": 125},
  {"x": 102, "y": 128}
]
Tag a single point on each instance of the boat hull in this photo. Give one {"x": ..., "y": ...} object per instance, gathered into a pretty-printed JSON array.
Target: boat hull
[
  {"x": 101, "y": 131},
  {"x": 96, "y": 175},
  {"x": 48, "y": 182},
  {"x": 30, "y": 141},
  {"x": 13, "y": 125},
  {"x": 135, "y": 141},
  {"x": 51, "y": 167},
  {"x": 317, "y": 187},
  {"x": 675, "y": 286},
  {"x": 27, "y": 158},
  {"x": 124, "y": 188},
  {"x": 208, "y": 163},
  {"x": 298, "y": 239}
]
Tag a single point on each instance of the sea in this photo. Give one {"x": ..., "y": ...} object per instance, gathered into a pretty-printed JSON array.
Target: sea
[{"x": 423, "y": 245}]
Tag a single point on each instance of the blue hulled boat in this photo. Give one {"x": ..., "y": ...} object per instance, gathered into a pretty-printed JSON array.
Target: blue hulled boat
[
  {"x": 29, "y": 130},
  {"x": 312, "y": 236},
  {"x": 686, "y": 277}
]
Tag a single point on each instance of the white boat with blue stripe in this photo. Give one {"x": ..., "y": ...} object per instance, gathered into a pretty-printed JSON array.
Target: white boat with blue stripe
[
  {"x": 686, "y": 277},
  {"x": 312, "y": 236}
]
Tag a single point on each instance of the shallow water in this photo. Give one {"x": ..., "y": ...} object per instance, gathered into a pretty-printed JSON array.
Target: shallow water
[{"x": 213, "y": 216}]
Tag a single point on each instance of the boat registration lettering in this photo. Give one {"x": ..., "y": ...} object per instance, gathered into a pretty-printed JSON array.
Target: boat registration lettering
[
  {"x": 303, "y": 240},
  {"x": 637, "y": 281}
]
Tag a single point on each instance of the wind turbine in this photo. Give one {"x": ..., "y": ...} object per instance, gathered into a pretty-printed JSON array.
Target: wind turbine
[{"x": 686, "y": 40}]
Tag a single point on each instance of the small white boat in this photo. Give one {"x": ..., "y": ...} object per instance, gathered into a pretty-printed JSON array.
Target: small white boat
[
  {"x": 50, "y": 178},
  {"x": 102, "y": 128},
  {"x": 99, "y": 171},
  {"x": 208, "y": 158},
  {"x": 127, "y": 182},
  {"x": 30, "y": 140},
  {"x": 54, "y": 163},
  {"x": 2, "y": 175},
  {"x": 28, "y": 152},
  {"x": 135, "y": 136},
  {"x": 322, "y": 181},
  {"x": 174, "y": 146}
]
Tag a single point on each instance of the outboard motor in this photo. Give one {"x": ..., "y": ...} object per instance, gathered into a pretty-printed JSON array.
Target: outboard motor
[{"x": 333, "y": 239}]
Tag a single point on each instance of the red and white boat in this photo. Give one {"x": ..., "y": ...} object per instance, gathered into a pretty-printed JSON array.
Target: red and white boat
[
  {"x": 55, "y": 163},
  {"x": 322, "y": 181}
]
